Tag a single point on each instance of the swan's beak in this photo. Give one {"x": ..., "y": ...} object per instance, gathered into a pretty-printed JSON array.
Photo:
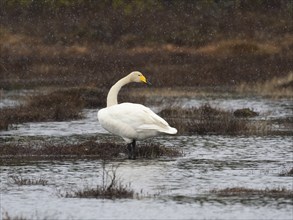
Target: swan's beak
[{"x": 143, "y": 79}]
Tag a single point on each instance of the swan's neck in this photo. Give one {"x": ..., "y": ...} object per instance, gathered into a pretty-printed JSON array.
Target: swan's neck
[{"x": 113, "y": 93}]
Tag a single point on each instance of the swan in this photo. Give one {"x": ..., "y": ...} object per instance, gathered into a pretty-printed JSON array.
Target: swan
[{"x": 131, "y": 121}]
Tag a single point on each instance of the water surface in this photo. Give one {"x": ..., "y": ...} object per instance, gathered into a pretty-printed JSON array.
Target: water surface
[{"x": 168, "y": 188}]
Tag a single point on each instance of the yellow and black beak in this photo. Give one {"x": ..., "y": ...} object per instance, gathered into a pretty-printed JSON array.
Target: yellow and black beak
[{"x": 143, "y": 79}]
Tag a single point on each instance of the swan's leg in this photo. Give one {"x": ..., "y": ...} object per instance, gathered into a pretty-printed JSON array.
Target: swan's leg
[
  {"x": 129, "y": 148},
  {"x": 133, "y": 150}
]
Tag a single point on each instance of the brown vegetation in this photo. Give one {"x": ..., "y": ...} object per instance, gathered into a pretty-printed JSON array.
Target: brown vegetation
[
  {"x": 247, "y": 192},
  {"x": 274, "y": 87},
  {"x": 19, "y": 180},
  {"x": 49, "y": 107},
  {"x": 208, "y": 120},
  {"x": 111, "y": 187},
  {"x": 245, "y": 113},
  {"x": 88, "y": 149},
  {"x": 114, "y": 192},
  {"x": 58, "y": 105},
  {"x": 177, "y": 43}
]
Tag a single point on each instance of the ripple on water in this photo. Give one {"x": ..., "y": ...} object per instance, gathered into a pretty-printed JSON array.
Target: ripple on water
[{"x": 177, "y": 188}]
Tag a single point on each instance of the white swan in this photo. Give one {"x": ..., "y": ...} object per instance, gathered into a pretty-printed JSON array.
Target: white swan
[{"x": 131, "y": 121}]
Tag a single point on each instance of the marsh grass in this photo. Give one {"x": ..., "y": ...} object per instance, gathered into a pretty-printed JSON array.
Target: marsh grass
[
  {"x": 55, "y": 106},
  {"x": 276, "y": 87},
  {"x": 58, "y": 105},
  {"x": 19, "y": 180},
  {"x": 88, "y": 149},
  {"x": 117, "y": 191},
  {"x": 155, "y": 151},
  {"x": 111, "y": 187},
  {"x": 247, "y": 192},
  {"x": 224, "y": 50},
  {"x": 208, "y": 120},
  {"x": 245, "y": 113}
]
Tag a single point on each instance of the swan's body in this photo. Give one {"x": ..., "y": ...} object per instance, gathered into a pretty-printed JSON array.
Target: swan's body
[{"x": 131, "y": 121}]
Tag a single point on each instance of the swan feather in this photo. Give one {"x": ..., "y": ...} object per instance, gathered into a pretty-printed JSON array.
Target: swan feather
[{"x": 133, "y": 121}]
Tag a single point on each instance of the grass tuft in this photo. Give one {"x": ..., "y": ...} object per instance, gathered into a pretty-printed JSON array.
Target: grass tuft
[
  {"x": 276, "y": 87},
  {"x": 26, "y": 181},
  {"x": 208, "y": 120},
  {"x": 44, "y": 107},
  {"x": 117, "y": 191},
  {"x": 110, "y": 188},
  {"x": 88, "y": 149},
  {"x": 59, "y": 105},
  {"x": 245, "y": 113},
  {"x": 247, "y": 192}
]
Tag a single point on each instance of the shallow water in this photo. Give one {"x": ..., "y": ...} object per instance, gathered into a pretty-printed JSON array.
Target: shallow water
[
  {"x": 267, "y": 109},
  {"x": 171, "y": 188},
  {"x": 168, "y": 188}
]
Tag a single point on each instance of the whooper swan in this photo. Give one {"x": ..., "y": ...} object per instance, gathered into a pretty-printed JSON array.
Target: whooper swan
[{"x": 131, "y": 121}]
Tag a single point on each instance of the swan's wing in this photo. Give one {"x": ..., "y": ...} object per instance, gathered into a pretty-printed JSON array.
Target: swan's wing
[{"x": 139, "y": 118}]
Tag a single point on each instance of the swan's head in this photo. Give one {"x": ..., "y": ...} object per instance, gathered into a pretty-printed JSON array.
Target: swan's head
[{"x": 137, "y": 76}]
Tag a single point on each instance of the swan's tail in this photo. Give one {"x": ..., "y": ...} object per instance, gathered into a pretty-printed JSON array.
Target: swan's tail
[
  {"x": 163, "y": 129},
  {"x": 170, "y": 130}
]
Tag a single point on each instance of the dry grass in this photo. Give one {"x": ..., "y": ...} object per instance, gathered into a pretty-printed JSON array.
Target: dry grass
[
  {"x": 59, "y": 105},
  {"x": 276, "y": 87},
  {"x": 37, "y": 64},
  {"x": 208, "y": 120},
  {"x": 111, "y": 187},
  {"x": 247, "y": 192},
  {"x": 88, "y": 149},
  {"x": 201, "y": 45},
  {"x": 19, "y": 180},
  {"x": 245, "y": 113},
  {"x": 49, "y": 107},
  {"x": 117, "y": 191}
]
